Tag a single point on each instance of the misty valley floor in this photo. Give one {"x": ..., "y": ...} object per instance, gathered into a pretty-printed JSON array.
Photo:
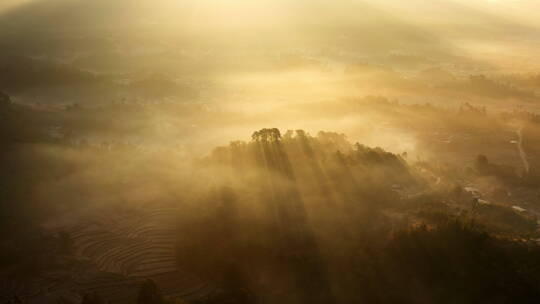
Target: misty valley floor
[{"x": 289, "y": 218}]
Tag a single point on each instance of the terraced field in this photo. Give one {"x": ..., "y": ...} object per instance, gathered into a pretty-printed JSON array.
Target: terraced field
[
  {"x": 113, "y": 254},
  {"x": 131, "y": 248}
]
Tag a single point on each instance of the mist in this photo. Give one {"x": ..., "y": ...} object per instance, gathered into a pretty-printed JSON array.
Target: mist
[{"x": 227, "y": 151}]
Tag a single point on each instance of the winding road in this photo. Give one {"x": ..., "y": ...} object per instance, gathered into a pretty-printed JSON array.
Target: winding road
[{"x": 521, "y": 151}]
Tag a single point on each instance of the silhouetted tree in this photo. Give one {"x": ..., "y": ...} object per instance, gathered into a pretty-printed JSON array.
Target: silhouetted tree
[
  {"x": 149, "y": 293},
  {"x": 4, "y": 99},
  {"x": 92, "y": 298},
  {"x": 267, "y": 135},
  {"x": 482, "y": 165}
]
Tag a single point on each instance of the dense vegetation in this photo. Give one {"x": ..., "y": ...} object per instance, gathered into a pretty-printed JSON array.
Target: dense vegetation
[{"x": 289, "y": 218}]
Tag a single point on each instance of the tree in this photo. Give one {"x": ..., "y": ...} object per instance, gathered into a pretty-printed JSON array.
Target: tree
[
  {"x": 149, "y": 293},
  {"x": 266, "y": 135},
  {"x": 92, "y": 298},
  {"x": 5, "y": 100}
]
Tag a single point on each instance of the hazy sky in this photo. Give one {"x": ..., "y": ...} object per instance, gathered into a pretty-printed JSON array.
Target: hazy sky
[{"x": 482, "y": 30}]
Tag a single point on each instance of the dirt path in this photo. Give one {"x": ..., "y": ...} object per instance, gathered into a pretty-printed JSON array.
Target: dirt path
[{"x": 521, "y": 151}]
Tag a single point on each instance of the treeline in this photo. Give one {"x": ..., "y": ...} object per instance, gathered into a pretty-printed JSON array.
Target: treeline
[
  {"x": 315, "y": 219},
  {"x": 452, "y": 262}
]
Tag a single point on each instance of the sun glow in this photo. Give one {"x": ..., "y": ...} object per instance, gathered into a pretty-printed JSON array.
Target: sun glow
[{"x": 7, "y": 5}]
